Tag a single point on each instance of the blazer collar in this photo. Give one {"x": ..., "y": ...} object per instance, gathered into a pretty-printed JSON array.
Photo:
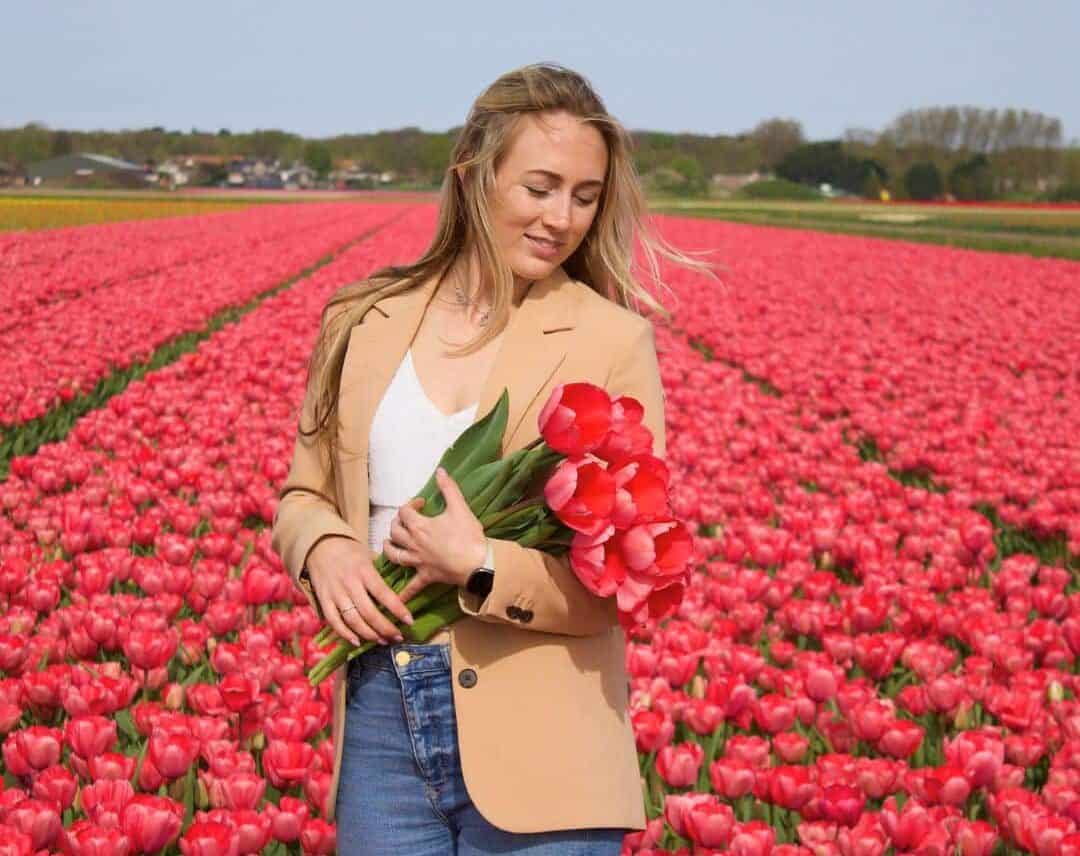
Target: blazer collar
[{"x": 532, "y": 348}]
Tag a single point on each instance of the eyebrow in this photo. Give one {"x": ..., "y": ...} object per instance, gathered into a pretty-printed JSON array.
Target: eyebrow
[{"x": 557, "y": 177}]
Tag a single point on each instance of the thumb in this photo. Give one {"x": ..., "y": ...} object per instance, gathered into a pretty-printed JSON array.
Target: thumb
[{"x": 450, "y": 490}]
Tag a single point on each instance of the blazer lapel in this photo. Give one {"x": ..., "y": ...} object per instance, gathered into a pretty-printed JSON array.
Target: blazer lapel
[{"x": 527, "y": 358}]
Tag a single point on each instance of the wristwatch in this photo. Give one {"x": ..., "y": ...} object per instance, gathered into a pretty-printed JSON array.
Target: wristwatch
[{"x": 481, "y": 580}]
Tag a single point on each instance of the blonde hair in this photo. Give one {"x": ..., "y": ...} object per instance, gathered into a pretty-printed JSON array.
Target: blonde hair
[{"x": 603, "y": 261}]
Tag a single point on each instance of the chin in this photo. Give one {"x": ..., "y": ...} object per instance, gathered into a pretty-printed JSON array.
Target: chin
[{"x": 533, "y": 268}]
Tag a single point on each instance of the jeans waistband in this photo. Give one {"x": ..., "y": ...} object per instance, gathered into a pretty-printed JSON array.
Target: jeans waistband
[{"x": 405, "y": 658}]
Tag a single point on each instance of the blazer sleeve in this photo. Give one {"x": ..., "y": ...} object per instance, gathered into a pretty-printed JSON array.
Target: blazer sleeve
[
  {"x": 535, "y": 590},
  {"x": 307, "y": 509}
]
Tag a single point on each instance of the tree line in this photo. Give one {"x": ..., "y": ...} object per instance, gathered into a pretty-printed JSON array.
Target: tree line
[{"x": 969, "y": 152}]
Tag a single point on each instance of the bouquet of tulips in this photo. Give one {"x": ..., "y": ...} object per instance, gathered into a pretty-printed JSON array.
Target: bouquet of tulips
[{"x": 605, "y": 499}]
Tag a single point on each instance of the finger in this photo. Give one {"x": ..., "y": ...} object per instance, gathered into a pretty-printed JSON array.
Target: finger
[
  {"x": 450, "y": 490},
  {"x": 406, "y": 594},
  {"x": 393, "y": 601},
  {"x": 353, "y": 618},
  {"x": 400, "y": 535},
  {"x": 410, "y": 518},
  {"x": 335, "y": 620},
  {"x": 370, "y": 612},
  {"x": 398, "y": 555}
]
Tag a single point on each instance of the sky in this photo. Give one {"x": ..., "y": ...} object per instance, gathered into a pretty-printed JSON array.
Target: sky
[{"x": 328, "y": 67}]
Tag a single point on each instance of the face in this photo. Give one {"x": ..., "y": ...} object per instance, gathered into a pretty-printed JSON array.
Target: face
[{"x": 547, "y": 192}]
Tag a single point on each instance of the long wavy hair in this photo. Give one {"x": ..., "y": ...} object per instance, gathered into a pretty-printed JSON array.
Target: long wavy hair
[{"x": 603, "y": 261}]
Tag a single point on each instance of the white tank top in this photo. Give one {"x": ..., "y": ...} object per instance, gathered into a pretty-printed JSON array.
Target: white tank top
[{"x": 408, "y": 436}]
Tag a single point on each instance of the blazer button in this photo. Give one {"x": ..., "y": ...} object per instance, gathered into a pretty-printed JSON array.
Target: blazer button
[
  {"x": 467, "y": 677},
  {"x": 526, "y": 615},
  {"x": 512, "y": 611}
]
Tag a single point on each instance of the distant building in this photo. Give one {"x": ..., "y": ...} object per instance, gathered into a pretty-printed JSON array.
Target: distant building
[
  {"x": 730, "y": 182},
  {"x": 88, "y": 169}
]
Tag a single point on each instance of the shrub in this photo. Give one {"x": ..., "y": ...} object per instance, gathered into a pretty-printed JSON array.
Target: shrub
[
  {"x": 1065, "y": 193},
  {"x": 923, "y": 181}
]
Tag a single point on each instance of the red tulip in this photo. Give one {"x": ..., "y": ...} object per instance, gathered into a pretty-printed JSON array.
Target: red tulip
[
  {"x": 576, "y": 418},
  {"x": 752, "y": 839},
  {"x": 90, "y": 735},
  {"x": 900, "y": 739},
  {"x": 791, "y": 786},
  {"x": 318, "y": 838},
  {"x": 842, "y": 804},
  {"x": 653, "y": 729},
  {"x": 86, "y": 838},
  {"x": 285, "y": 762},
  {"x": 150, "y": 649},
  {"x": 55, "y": 785},
  {"x": 287, "y": 818},
  {"x": 709, "y": 823},
  {"x": 732, "y": 777},
  {"x": 39, "y": 819},
  {"x": 151, "y": 822},
  {"x": 974, "y": 838},
  {"x": 581, "y": 492},
  {"x": 774, "y": 713},
  {"x": 209, "y": 838},
  {"x": 103, "y": 801},
  {"x": 172, "y": 753},
  {"x": 678, "y": 764}
]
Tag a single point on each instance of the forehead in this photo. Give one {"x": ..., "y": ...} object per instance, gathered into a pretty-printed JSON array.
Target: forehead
[{"x": 558, "y": 142}]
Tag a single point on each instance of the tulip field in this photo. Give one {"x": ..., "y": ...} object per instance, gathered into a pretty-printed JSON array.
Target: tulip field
[{"x": 877, "y": 443}]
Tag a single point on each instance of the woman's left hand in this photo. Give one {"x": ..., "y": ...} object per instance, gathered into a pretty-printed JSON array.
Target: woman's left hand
[{"x": 445, "y": 548}]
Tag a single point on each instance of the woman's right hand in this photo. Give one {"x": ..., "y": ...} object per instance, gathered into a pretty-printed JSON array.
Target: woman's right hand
[{"x": 344, "y": 578}]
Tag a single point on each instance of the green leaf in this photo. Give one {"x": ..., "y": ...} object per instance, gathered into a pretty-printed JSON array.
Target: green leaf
[
  {"x": 127, "y": 726},
  {"x": 477, "y": 445}
]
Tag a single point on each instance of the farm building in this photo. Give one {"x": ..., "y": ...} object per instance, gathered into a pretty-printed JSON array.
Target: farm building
[{"x": 87, "y": 169}]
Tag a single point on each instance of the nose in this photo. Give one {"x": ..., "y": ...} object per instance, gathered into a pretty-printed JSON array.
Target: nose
[{"x": 557, "y": 213}]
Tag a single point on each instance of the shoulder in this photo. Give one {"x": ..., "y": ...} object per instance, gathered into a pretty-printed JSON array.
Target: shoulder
[{"x": 608, "y": 312}]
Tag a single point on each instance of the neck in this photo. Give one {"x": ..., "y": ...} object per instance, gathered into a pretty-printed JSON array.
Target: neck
[{"x": 471, "y": 287}]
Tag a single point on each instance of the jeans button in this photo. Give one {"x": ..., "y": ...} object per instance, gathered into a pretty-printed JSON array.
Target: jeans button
[
  {"x": 402, "y": 658},
  {"x": 467, "y": 677}
]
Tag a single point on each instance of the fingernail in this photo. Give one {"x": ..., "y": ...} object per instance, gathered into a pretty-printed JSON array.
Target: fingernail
[
  {"x": 409, "y": 620},
  {"x": 399, "y": 638},
  {"x": 442, "y": 472}
]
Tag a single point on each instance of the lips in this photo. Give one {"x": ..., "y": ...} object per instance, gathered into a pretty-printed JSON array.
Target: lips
[{"x": 545, "y": 242}]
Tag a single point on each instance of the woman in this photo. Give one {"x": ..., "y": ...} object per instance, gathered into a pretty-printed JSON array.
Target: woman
[{"x": 507, "y": 731}]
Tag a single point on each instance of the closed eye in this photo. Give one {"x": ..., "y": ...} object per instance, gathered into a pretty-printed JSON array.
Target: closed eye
[{"x": 535, "y": 191}]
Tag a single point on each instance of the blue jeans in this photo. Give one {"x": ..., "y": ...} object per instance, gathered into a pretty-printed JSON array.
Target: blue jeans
[{"x": 401, "y": 791}]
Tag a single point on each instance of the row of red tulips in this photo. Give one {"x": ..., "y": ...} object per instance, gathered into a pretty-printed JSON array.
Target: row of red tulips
[
  {"x": 47, "y": 267},
  {"x": 950, "y": 363},
  {"x": 112, "y": 320}
]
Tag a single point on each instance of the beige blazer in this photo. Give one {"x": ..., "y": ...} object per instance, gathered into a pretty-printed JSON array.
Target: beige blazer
[{"x": 544, "y": 735}]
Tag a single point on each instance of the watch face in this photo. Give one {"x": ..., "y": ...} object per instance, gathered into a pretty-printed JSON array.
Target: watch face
[{"x": 480, "y": 581}]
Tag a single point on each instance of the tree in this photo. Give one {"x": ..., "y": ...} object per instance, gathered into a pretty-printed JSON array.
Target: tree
[
  {"x": 61, "y": 144},
  {"x": 317, "y": 156},
  {"x": 691, "y": 171},
  {"x": 828, "y": 162},
  {"x": 972, "y": 179},
  {"x": 872, "y": 186},
  {"x": 775, "y": 138},
  {"x": 923, "y": 181}
]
